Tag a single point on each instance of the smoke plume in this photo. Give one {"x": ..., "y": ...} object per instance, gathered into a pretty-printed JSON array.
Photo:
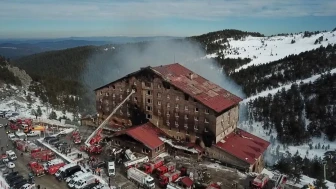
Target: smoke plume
[{"x": 118, "y": 62}]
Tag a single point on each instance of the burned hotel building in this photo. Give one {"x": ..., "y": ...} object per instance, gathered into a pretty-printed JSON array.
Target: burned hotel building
[{"x": 188, "y": 109}]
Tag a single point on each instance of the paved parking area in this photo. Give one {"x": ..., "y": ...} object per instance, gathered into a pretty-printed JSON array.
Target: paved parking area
[{"x": 46, "y": 181}]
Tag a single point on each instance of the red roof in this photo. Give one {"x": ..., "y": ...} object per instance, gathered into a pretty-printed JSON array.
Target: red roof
[
  {"x": 146, "y": 134},
  {"x": 243, "y": 145},
  {"x": 208, "y": 93},
  {"x": 187, "y": 181}
]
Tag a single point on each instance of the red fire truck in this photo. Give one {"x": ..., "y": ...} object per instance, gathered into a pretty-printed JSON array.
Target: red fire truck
[
  {"x": 169, "y": 167},
  {"x": 152, "y": 165},
  {"x": 169, "y": 177},
  {"x": 260, "y": 181}
]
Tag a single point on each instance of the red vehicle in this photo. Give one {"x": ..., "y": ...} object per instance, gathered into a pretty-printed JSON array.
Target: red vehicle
[
  {"x": 36, "y": 168},
  {"x": 13, "y": 126},
  {"x": 21, "y": 145},
  {"x": 43, "y": 156},
  {"x": 260, "y": 181},
  {"x": 149, "y": 167},
  {"x": 95, "y": 149},
  {"x": 77, "y": 139},
  {"x": 53, "y": 169},
  {"x": 75, "y": 134},
  {"x": 169, "y": 177},
  {"x": 169, "y": 167}
]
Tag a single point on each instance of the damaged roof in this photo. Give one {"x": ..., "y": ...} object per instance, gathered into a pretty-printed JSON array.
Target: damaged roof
[
  {"x": 146, "y": 133},
  {"x": 196, "y": 86},
  {"x": 243, "y": 145}
]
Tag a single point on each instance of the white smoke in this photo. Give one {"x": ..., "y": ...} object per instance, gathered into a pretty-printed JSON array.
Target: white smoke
[{"x": 103, "y": 69}]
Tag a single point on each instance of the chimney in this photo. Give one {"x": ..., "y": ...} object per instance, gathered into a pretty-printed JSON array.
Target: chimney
[{"x": 191, "y": 76}]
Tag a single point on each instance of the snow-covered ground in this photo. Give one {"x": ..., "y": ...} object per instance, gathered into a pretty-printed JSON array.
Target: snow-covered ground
[
  {"x": 263, "y": 50},
  {"x": 286, "y": 87},
  {"x": 17, "y": 102}
]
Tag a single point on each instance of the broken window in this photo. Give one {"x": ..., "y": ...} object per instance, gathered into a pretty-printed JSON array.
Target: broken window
[
  {"x": 149, "y": 92},
  {"x": 159, "y": 86},
  {"x": 149, "y": 101},
  {"x": 186, "y": 97},
  {"x": 149, "y": 108},
  {"x": 113, "y": 87},
  {"x": 148, "y": 116},
  {"x": 147, "y": 84},
  {"x": 206, "y": 111},
  {"x": 196, "y": 109}
]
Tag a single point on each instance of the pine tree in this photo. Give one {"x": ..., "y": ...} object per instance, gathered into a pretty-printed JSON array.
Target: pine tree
[
  {"x": 53, "y": 115},
  {"x": 39, "y": 111},
  {"x": 320, "y": 183}
]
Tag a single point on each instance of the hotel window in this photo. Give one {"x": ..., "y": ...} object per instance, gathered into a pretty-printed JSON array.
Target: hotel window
[
  {"x": 177, "y": 98},
  {"x": 107, "y": 109},
  {"x": 176, "y": 114},
  {"x": 113, "y": 86},
  {"x": 149, "y": 108},
  {"x": 206, "y": 111},
  {"x": 120, "y": 97},
  {"x": 196, "y": 127},
  {"x": 107, "y": 94},
  {"x": 196, "y": 118},
  {"x": 159, "y": 103},
  {"x": 113, "y": 103},
  {"x": 149, "y": 101},
  {"x": 121, "y": 112},
  {"x": 196, "y": 109},
  {"x": 177, "y": 106},
  {"x": 135, "y": 99},
  {"x": 176, "y": 124},
  {"x": 148, "y": 116},
  {"x": 101, "y": 92},
  {"x": 205, "y": 129},
  {"x": 206, "y": 120},
  {"x": 168, "y": 105},
  {"x": 185, "y": 116},
  {"x": 168, "y": 96},
  {"x": 127, "y": 90},
  {"x": 159, "y": 112},
  {"x": 185, "y": 125},
  {"x": 185, "y": 107},
  {"x": 106, "y": 102},
  {"x": 168, "y": 114},
  {"x": 147, "y": 84},
  {"x": 113, "y": 95},
  {"x": 168, "y": 123},
  {"x": 134, "y": 83},
  {"x": 149, "y": 92},
  {"x": 100, "y": 100},
  {"x": 120, "y": 89},
  {"x": 158, "y": 95},
  {"x": 128, "y": 114}
]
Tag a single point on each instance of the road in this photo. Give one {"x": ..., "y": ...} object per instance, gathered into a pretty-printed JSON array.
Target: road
[{"x": 46, "y": 181}]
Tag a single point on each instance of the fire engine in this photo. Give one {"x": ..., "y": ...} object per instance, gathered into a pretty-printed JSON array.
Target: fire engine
[
  {"x": 45, "y": 155},
  {"x": 36, "y": 168},
  {"x": 260, "y": 181},
  {"x": 169, "y": 177},
  {"x": 169, "y": 167},
  {"x": 152, "y": 165}
]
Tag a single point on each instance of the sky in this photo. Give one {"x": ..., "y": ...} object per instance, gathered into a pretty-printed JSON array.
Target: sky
[{"x": 85, "y": 18}]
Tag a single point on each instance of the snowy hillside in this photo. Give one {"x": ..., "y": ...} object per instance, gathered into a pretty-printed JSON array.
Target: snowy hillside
[
  {"x": 266, "y": 49},
  {"x": 15, "y": 99}
]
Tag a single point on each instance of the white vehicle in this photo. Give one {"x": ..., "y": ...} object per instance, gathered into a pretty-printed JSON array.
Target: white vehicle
[
  {"x": 11, "y": 136},
  {"x": 140, "y": 177},
  {"x": 34, "y": 133},
  {"x": 136, "y": 161},
  {"x": 21, "y": 135},
  {"x": 28, "y": 186},
  {"x": 130, "y": 155},
  {"x": 111, "y": 168},
  {"x": 11, "y": 165},
  {"x": 85, "y": 181},
  {"x": 74, "y": 181},
  {"x": 72, "y": 177},
  {"x": 62, "y": 169},
  {"x": 51, "y": 163},
  {"x": 11, "y": 155},
  {"x": 1, "y": 125}
]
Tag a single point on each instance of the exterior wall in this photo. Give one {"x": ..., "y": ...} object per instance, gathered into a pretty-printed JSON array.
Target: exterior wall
[
  {"x": 176, "y": 113},
  {"x": 218, "y": 154},
  {"x": 258, "y": 166},
  {"x": 226, "y": 123},
  {"x": 178, "y": 152},
  {"x": 138, "y": 147}
]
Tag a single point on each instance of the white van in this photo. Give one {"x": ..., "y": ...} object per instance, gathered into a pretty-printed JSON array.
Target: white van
[
  {"x": 84, "y": 182},
  {"x": 74, "y": 181},
  {"x": 34, "y": 133},
  {"x": 11, "y": 155},
  {"x": 21, "y": 135},
  {"x": 62, "y": 169},
  {"x": 111, "y": 168}
]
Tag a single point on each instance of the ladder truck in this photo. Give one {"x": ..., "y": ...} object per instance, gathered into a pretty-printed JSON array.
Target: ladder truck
[{"x": 96, "y": 137}]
